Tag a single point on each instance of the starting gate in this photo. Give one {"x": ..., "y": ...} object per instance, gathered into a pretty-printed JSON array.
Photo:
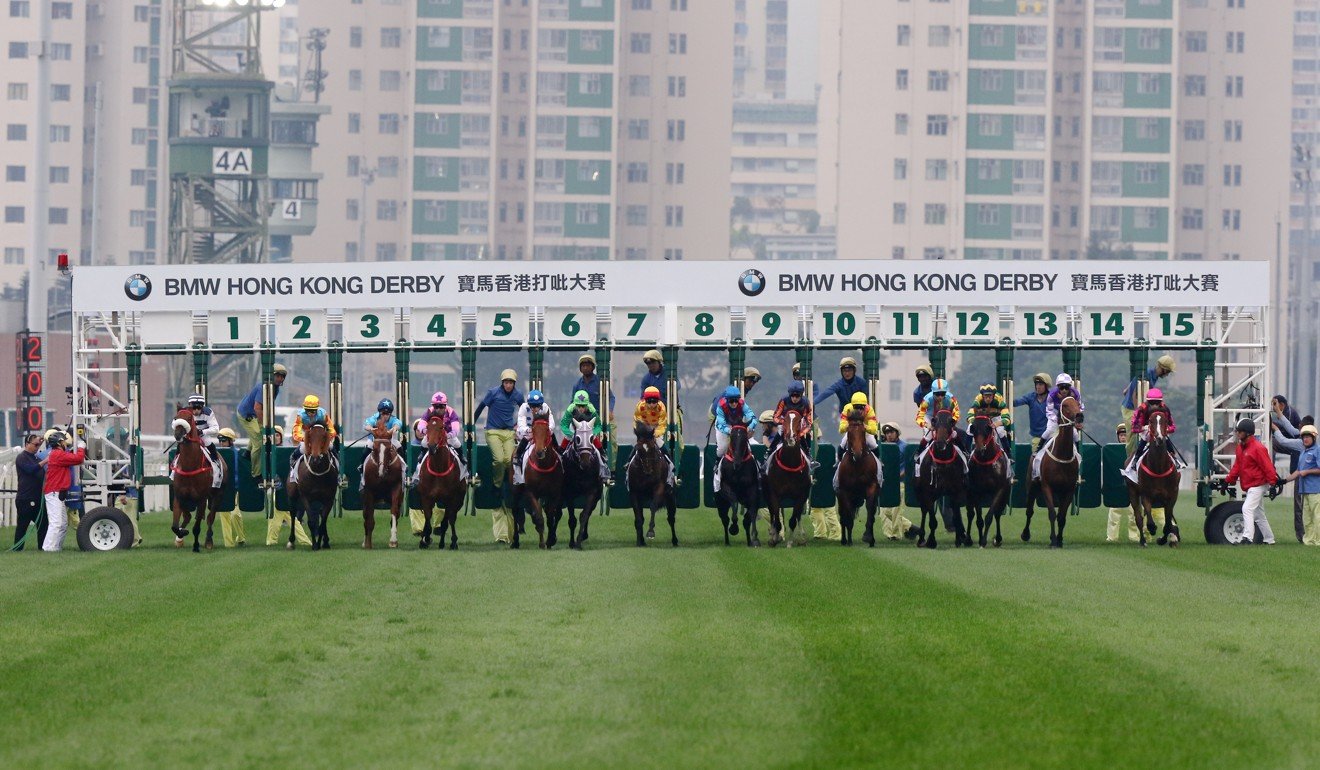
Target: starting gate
[{"x": 123, "y": 313}]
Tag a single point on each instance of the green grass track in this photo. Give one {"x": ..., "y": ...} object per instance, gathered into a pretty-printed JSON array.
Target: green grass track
[{"x": 703, "y": 656}]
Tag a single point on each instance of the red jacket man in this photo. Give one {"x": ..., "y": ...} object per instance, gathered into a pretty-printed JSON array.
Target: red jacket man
[
  {"x": 1251, "y": 465},
  {"x": 59, "y": 477}
]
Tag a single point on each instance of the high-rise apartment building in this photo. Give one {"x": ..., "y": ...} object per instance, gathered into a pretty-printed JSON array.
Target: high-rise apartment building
[
  {"x": 760, "y": 49},
  {"x": 1299, "y": 279},
  {"x": 553, "y": 129}
]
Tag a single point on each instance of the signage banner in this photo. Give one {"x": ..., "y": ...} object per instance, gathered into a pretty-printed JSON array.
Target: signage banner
[{"x": 342, "y": 285}]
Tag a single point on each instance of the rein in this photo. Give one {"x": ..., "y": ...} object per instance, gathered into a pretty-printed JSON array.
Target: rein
[
  {"x": 802, "y": 463},
  {"x": 206, "y": 466},
  {"x": 999, "y": 452}
]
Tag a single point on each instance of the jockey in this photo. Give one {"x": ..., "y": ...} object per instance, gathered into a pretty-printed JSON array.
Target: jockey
[
  {"x": 795, "y": 401},
  {"x": 383, "y": 418},
  {"x": 453, "y": 431},
  {"x": 209, "y": 426},
  {"x": 858, "y": 403},
  {"x": 939, "y": 400},
  {"x": 583, "y": 410},
  {"x": 730, "y": 410},
  {"x": 1063, "y": 388},
  {"x": 992, "y": 405},
  {"x": 657, "y": 378},
  {"x": 311, "y": 414},
  {"x": 769, "y": 431},
  {"x": 1141, "y": 426},
  {"x": 533, "y": 408},
  {"x": 650, "y": 411}
]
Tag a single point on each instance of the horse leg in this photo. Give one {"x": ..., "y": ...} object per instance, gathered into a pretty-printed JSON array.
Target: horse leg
[
  {"x": 368, "y": 520},
  {"x": 1171, "y": 535},
  {"x": 1047, "y": 492},
  {"x": 929, "y": 514},
  {"x": 451, "y": 521},
  {"x": 655, "y": 506},
  {"x": 538, "y": 518},
  {"x": 749, "y": 526},
  {"x": 552, "y": 524},
  {"x": 1139, "y": 514},
  {"x": 197, "y": 525},
  {"x": 671, "y": 511},
  {"x": 639, "y": 517},
  {"x": 845, "y": 519},
  {"x": 572, "y": 527},
  {"x": 1032, "y": 491},
  {"x": 868, "y": 536},
  {"x": 997, "y": 512},
  {"x": 772, "y": 507},
  {"x": 589, "y": 508},
  {"x": 212, "y": 504},
  {"x": 178, "y": 531},
  {"x": 723, "y": 507}
]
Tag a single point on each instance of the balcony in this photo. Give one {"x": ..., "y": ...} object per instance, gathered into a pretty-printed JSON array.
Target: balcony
[
  {"x": 553, "y": 186},
  {"x": 1028, "y": 141},
  {"x": 1107, "y": 99},
  {"x": 1103, "y": 143},
  {"x": 220, "y": 128},
  {"x": 475, "y": 140},
  {"x": 1028, "y": 186},
  {"x": 1028, "y": 232},
  {"x": 1103, "y": 188},
  {"x": 549, "y": 228},
  {"x": 550, "y": 141},
  {"x": 1110, "y": 9},
  {"x": 552, "y": 98}
]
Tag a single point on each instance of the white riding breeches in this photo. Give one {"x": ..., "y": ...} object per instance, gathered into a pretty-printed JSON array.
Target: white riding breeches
[{"x": 870, "y": 442}]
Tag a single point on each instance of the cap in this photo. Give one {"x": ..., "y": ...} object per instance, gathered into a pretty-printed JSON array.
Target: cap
[
  {"x": 848, "y": 361},
  {"x": 751, "y": 373},
  {"x": 651, "y": 392},
  {"x": 797, "y": 368},
  {"x": 1165, "y": 362},
  {"x": 767, "y": 416},
  {"x": 1246, "y": 426},
  {"x": 890, "y": 426},
  {"x": 311, "y": 402},
  {"x": 228, "y": 433},
  {"x": 279, "y": 369},
  {"x": 1154, "y": 394},
  {"x": 1041, "y": 377},
  {"x": 926, "y": 370},
  {"x": 586, "y": 359},
  {"x": 858, "y": 398},
  {"x": 508, "y": 374},
  {"x": 1122, "y": 428},
  {"x": 647, "y": 357},
  {"x": 1310, "y": 430}
]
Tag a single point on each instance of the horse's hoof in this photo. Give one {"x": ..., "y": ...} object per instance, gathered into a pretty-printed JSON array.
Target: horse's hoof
[
  {"x": 641, "y": 543},
  {"x": 650, "y": 534},
  {"x": 869, "y": 539},
  {"x": 1173, "y": 540},
  {"x": 424, "y": 543},
  {"x": 515, "y": 545},
  {"x": 1162, "y": 541},
  {"x": 911, "y": 534},
  {"x": 1026, "y": 537},
  {"x": 453, "y": 546},
  {"x": 733, "y": 529},
  {"x": 574, "y": 545},
  {"x": 674, "y": 542},
  {"x": 754, "y": 544},
  {"x": 288, "y": 546},
  {"x": 196, "y": 549},
  {"x": 544, "y": 547},
  {"x": 1143, "y": 544},
  {"x": 394, "y": 544},
  {"x": 436, "y": 531},
  {"x": 998, "y": 541},
  {"x": 211, "y": 546},
  {"x": 931, "y": 544},
  {"x": 178, "y": 542}
]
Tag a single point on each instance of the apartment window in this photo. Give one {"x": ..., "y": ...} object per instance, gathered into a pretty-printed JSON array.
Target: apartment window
[
  {"x": 1193, "y": 130},
  {"x": 18, "y": 92},
  {"x": 901, "y": 124},
  {"x": 387, "y": 252},
  {"x": 18, "y": 50},
  {"x": 674, "y": 254},
  {"x": 1193, "y": 219},
  {"x": 638, "y": 172},
  {"x": 937, "y": 169},
  {"x": 391, "y": 37},
  {"x": 19, "y": 9},
  {"x": 1146, "y": 217},
  {"x": 1194, "y": 85},
  {"x": 61, "y": 10},
  {"x": 351, "y": 251},
  {"x": 137, "y": 177},
  {"x": 59, "y": 174},
  {"x": 14, "y": 255},
  {"x": 1193, "y": 174},
  {"x": 354, "y": 37},
  {"x": 354, "y": 165},
  {"x": 932, "y": 252},
  {"x": 639, "y": 85},
  {"x": 1232, "y": 219},
  {"x": 16, "y": 132},
  {"x": 641, "y": 5},
  {"x": 904, "y": 35},
  {"x": 901, "y": 80},
  {"x": 351, "y": 211},
  {"x": 387, "y": 211},
  {"x": 1236, "y": 42},
  {"x": 677, "y": 85},
  {"x": 989, "y": 125},
  {"x": 390, "y": 80},
  {"x": 935, "y": 213},
  {"x": 988, "y": 170},
  {"x": 589, "y": 128},
  {"x": 1149, "y": 83},
  {"x": 140, "y": 54},
  {"x": 639, "y": 128},
  {"x": 1148, "y": 39},
  {"x": 1194, "y": 42},
  {"x": 355, "y": 80},
  {"x": 1232, "y": 130},
  {"x": 1232, "y": 176},
  {"x": 387, "y": 166},
  {"x": 937, "y": 125},
  {"x": 937, "y": 80},
  {"x": 57, "y": 216},
  {"x": 60, "y": 133},
  {"x": 673, "y": 216},
  {"x": 900, "y": 213},
  {"x": 992, "y": 35},
  {"x": 1233, "y": 86},
  {"x": 898, "y": 252},
  {"x": 15, "y": 173},
  {"x": 389, "y": 123},
  {"x": 991, "y": 80},
  {"x": 900, "y": 169},
  {"x": 677, "y": 130},
  {"x": 141, "y": 13},
  {"x": 14, "y": 214},
  {"x": 639, "y": 42},
  {"x": 1148, "y": 173},
  {"x": 354, "y": 122},
  {"x": 938, "y": 36},
  {"x": 635, "y": 216},
  {"x": 677, "y": 42}
]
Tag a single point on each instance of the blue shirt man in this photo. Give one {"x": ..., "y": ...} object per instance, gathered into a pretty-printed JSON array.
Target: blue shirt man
[
  {"x": 503, "y": 407},
  {"x": 1035, "y": 404},
  {"x": 844, "y": 387}
]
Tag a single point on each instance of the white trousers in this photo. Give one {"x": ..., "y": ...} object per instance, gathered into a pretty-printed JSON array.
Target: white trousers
[
  {"x": 870, "y": 442},
  {"x": 1253, "y": 515},
  {"x": 59, "y": 523}
]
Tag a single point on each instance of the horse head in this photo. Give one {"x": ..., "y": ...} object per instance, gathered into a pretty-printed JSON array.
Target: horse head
[
  {"x": 582, "y": 444},
  {"x": 436, "y": 435},
  {"x": 1159, "y": 426},
  {"x": 790, "y": 435},
  {"x": 184, "y": 426},
  {"x": 1070, "y": 410},
  {"x": 739, "y": 451},
  {"x": 541, "y": 434},
  {"x": 644, "y": 433},
  {"x": 316, "y": 446},
  {"x": 942, "y": 426},
  {"x": 983, "y": 430}
]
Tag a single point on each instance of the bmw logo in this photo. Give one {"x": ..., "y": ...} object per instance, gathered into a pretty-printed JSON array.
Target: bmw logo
[
  {"x": 137, "y": 287},
  {"x": 751, "y": 282}
]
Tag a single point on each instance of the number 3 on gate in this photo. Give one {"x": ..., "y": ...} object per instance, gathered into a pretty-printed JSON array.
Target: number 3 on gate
[{"x": 369, "y": 326}]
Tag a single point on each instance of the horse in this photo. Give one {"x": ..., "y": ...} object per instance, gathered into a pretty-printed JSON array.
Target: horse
[
  {"x": 316, "y": 484},
  {"x": 440, "y": 482},
  {"x": 581, "y": 480},
  {"x": 543, "y": 485},
  {"x": 857, "y": 481},
  {"x": 382, "y": 479},
  {"x": 1060, "y": 468},
  {"x": 941, "y": 476},
  {"x": 988, "y": 484},
  {"x": 788, "y": 477},
  {"x": 1157, "y": 483},
  {"x": 739, "y": 485},
  {"x": 192, "y": 483},
  {"x": 648, "y": 484}
]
